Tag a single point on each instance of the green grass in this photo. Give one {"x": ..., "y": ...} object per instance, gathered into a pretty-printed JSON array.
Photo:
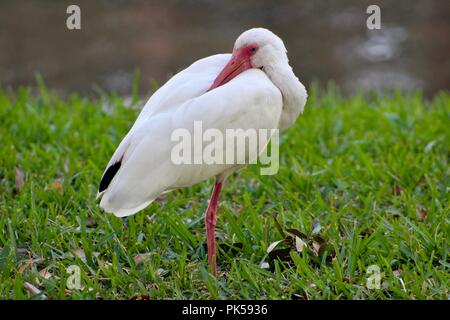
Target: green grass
[{"x": 364, "y": 178}]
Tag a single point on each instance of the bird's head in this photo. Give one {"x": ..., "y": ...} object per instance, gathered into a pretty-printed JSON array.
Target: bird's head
[{"x": 255, "y": 48}]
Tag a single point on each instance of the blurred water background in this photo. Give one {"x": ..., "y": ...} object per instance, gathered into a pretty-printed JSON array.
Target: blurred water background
[{"x": 326, "y": 41}]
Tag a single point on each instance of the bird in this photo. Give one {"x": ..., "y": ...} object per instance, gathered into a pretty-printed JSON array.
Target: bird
[{"x": 253, "y": 87}]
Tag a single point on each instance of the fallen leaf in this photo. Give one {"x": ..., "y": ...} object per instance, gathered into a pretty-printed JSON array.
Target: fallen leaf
[
  {"x": 273, "y": 245},
  {"x": 298, "y": 296},
  {"x": 297, "y": 233},
  {"x": 22, "y": 251},
  {"x": 31, "y": 288},
  {"x": 289, "y": 240},
  {"x": 397, "y": 273},
  {"x": 319, "y": 239},
  {"x": 316, "y": 248},
  {"x": 140, "y": 258},
  {"x": 25, "y": 266},
  {"x": 397, "y": 190},
  {"x": 161, "y": 272},
  {"x": 299, "y": 244},
  {"x": 421, "y": 213},
  {"x": 80, "y": 253},
  {"x": 57, "y": 185},
  {"x": 90, "y": 222},
  {"x": 281, "y": 254},
  {"x": 28, "y": 263},
  {"x": 44, "y": 273},
  {"x": 19, "y": 181}
]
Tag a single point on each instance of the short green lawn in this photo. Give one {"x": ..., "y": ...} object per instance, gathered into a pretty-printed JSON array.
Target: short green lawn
[{"x": 364, "y": 182}]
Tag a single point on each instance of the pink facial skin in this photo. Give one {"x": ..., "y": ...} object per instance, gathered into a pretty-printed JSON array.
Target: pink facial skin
[{"x": 239, "y": 62}]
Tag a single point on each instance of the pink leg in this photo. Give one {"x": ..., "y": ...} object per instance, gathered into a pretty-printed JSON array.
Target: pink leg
[{"x": 210, "y": 222}]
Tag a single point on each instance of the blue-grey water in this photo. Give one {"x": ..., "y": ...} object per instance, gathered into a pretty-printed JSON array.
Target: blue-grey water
[{"x": 326, "y": 41}]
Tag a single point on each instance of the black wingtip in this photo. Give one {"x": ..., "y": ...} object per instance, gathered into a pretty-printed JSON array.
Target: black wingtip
[{"x": 109, "y": 175}]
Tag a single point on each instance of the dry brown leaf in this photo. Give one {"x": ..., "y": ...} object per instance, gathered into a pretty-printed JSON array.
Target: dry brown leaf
[
  {"x": 316, "y": 248},
  {"x": 422, "y": 213},
  {"x": 90, "y": 222},
  {"x": 57, "y": 185},
  {"x": 22, "y": 251},
  {"x": 397, "y": 273},
  {"x": 29, "y": 263},
  {"x": 140, "y": 258},
  {"x": 25, "y": 266},
  {"x": 19, "y": 180},
  {"x": 44, "y": 273},
  {"x": 289, "y": 240},
  {"x": 297, "y": 233},
  {"x": 31, "y": 288},
  {"x": 397, "y": 190},
  {"x": 281, "y": 254}
]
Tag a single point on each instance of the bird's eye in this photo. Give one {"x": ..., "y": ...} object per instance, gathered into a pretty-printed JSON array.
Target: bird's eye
[{"x": 253, "y": 49}]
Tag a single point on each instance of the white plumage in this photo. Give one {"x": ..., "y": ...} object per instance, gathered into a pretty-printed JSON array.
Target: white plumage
[
  {"x": 256, "y": 91},
  {"x": 147, "y": 169}
]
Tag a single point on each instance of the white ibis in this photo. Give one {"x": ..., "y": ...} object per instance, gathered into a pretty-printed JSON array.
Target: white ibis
[{"x": 252, "y": 88}]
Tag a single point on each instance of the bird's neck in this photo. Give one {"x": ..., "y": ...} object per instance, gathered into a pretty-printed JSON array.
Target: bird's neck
[{"x": 293, "y": 92}]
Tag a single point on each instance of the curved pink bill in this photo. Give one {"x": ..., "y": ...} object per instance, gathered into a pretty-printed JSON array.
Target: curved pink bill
[{"x": 239, "y": 62}]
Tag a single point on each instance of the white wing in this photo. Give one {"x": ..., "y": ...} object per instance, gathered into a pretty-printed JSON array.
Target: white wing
[
  {"x": 187, "y": 84},
  {"x": 249, "y": 101}
]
